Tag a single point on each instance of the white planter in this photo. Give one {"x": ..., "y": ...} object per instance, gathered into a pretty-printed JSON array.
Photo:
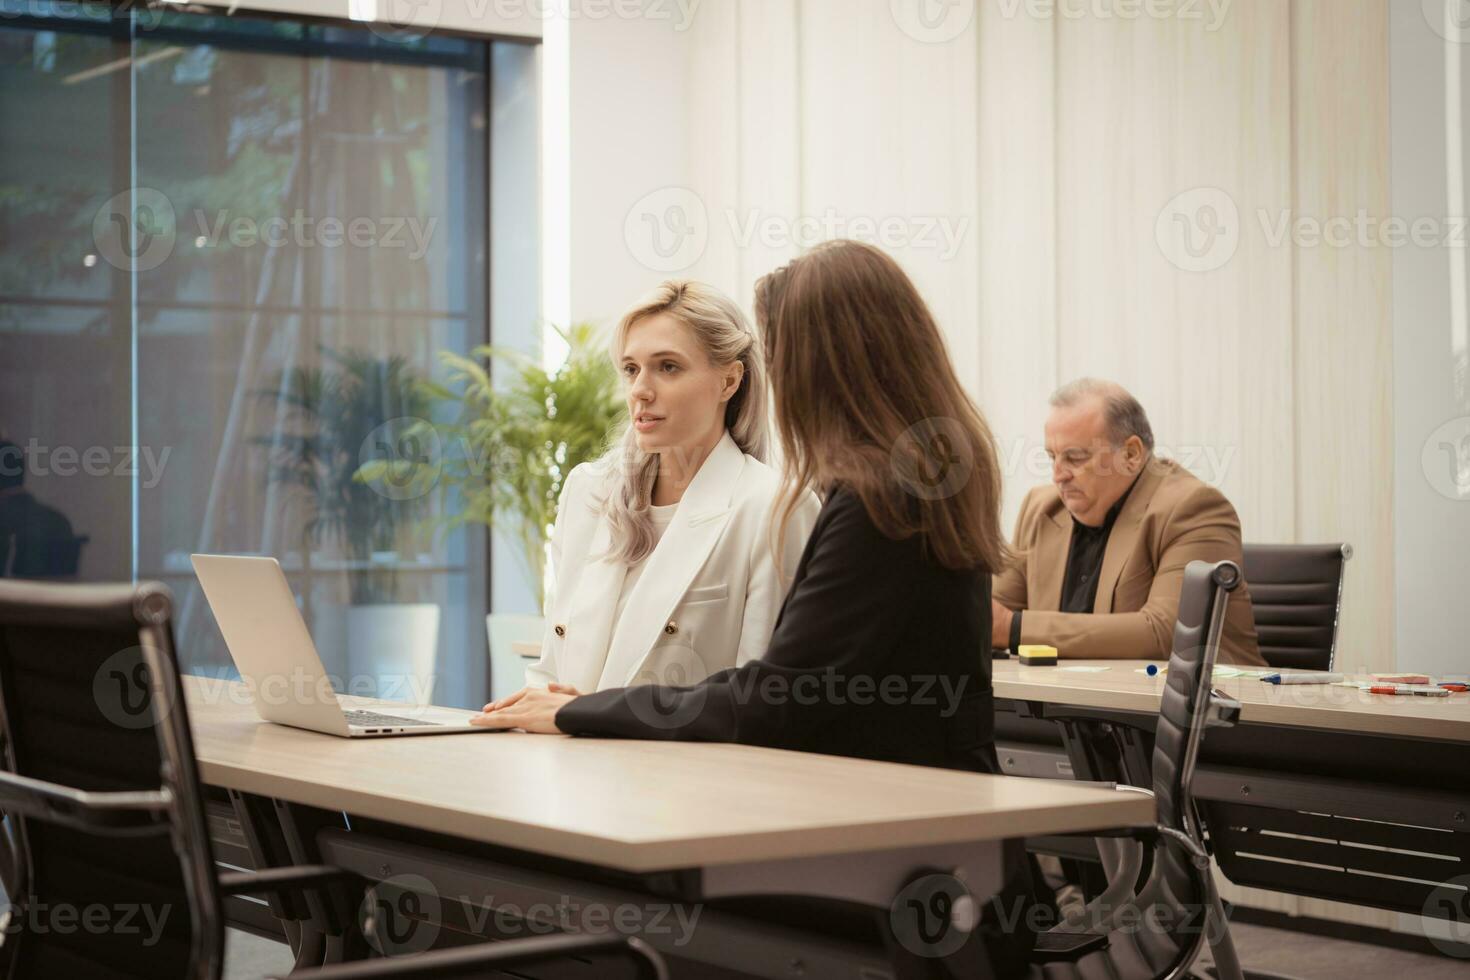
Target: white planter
[
  {"x": 392, "y": 649},
  {"x": 515, "y": 642}
]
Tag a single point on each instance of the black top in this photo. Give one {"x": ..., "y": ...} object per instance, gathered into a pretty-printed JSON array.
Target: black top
[
  {"x": 878, "y": 653},
  {"x": 36, "y": 541},
  {"x": 1085, "y": 559},
  {"x": 875, "y": 654},
  {"x": 1084, "y": 564}
]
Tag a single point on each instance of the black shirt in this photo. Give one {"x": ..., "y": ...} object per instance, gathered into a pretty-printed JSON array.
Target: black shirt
[
  {"x": 872, "y": 656},
  {"x": 864, "y": 614},
  {"x": 1084, "y": 564},
  {"x": 36, "y": 541}
]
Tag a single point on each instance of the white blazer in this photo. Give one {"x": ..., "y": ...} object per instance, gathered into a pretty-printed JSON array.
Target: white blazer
[{"x": 707, "y": 597}]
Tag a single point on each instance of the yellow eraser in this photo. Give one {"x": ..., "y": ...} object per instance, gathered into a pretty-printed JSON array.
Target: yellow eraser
[{"x": 1036, "y": 655}]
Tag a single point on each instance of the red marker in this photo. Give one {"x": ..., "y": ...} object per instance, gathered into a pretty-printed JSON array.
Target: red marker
[{"x": 1426, "y": 692}]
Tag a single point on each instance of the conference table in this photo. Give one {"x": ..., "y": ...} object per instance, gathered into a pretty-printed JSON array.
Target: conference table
[
  {"x": 748, "y": 847},
  {"x": 1320, "y": 790}
]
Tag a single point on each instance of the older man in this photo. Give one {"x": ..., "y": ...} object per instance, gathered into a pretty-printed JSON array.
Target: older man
[{"x": 1102, "y": 551}]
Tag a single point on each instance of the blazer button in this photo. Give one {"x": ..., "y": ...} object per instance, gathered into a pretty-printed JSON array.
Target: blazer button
[
  {"x": 560, "y": 630},
  {"x": 671, "y": 628}
]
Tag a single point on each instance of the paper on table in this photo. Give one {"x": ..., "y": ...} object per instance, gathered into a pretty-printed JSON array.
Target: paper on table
[
  {"x": 1223, "y": 671},
  {"x": 1086, "y": 669}
]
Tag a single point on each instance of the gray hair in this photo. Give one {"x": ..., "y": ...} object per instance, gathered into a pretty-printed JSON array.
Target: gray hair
[{"x": 1122, "y": 412}]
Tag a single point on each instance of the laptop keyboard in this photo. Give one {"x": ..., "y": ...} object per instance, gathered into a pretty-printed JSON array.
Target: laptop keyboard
[{"x": 371, "y": 719}]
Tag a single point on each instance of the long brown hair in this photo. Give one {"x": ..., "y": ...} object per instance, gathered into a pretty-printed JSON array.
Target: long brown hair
[{"x": 865, "y": 396}]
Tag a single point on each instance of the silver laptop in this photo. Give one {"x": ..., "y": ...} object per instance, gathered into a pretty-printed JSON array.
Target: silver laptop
[{"x": 273, "y": 651}]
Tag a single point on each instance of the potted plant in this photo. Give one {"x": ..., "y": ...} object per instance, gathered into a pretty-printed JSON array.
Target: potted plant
[
  {"x": 514, "y": 431},
  {"x": 333, "y": 417}
]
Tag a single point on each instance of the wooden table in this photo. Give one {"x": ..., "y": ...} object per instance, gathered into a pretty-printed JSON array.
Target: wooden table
[
  {"x": 735, "y": 820},
  {"x": 1120, "y": 685},
  {"x": 1320, "y": 791}
]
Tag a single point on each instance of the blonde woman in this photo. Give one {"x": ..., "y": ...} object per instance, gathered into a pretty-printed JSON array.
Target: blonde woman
[
  {"x": 665, "y": 562},
  {"x": 893, "y": 593}
]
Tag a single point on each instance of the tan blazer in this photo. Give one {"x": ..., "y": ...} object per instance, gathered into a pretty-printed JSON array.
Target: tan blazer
[{"x": 1169, "y": 520}]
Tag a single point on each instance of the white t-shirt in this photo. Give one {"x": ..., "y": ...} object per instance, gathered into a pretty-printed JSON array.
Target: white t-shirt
[{"x": 662, "y": 517}]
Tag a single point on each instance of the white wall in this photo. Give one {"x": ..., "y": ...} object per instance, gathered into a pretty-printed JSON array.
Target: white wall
[
  {"x": 629, "y": 138},
  {"x": 1431, "y": 408},
  {"x": 1066, "y": 157},
  {"x": 1304, "y": 377},
  {"x": 1134, "y": 176}
]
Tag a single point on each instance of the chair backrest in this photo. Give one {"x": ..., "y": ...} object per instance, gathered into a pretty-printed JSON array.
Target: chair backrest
[
  {"x": 1296, "y": 592},
  {"x": 1171, "y": 885},
  {"x": 114, "y": 873}
]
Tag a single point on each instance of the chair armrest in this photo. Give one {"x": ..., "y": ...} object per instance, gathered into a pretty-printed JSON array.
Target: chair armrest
[
  {"x": 1106, "y": 784},
  {"x": 1145, "y": 834},
  {"x": 492, "y": 956},
  {"x": 1222, "y": 711},
  {"x": 121, "y": 813},
  {"x": 1198, "y": 856},
  {"x": 1053, "y": 946},
  {"x": 287, "y": 879}
]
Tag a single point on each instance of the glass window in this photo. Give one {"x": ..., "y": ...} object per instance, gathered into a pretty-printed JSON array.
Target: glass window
[{"x": 230, "y": 248}]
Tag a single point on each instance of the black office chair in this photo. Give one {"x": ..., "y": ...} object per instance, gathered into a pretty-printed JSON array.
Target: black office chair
[
  {"x": 105, "y": 812},
  {"x": 1296, "y": 594},
  {"x": 1096, "y": 943}
]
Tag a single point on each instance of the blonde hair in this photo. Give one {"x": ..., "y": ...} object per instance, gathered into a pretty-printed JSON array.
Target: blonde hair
[{"x": 725, "y": 336}]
